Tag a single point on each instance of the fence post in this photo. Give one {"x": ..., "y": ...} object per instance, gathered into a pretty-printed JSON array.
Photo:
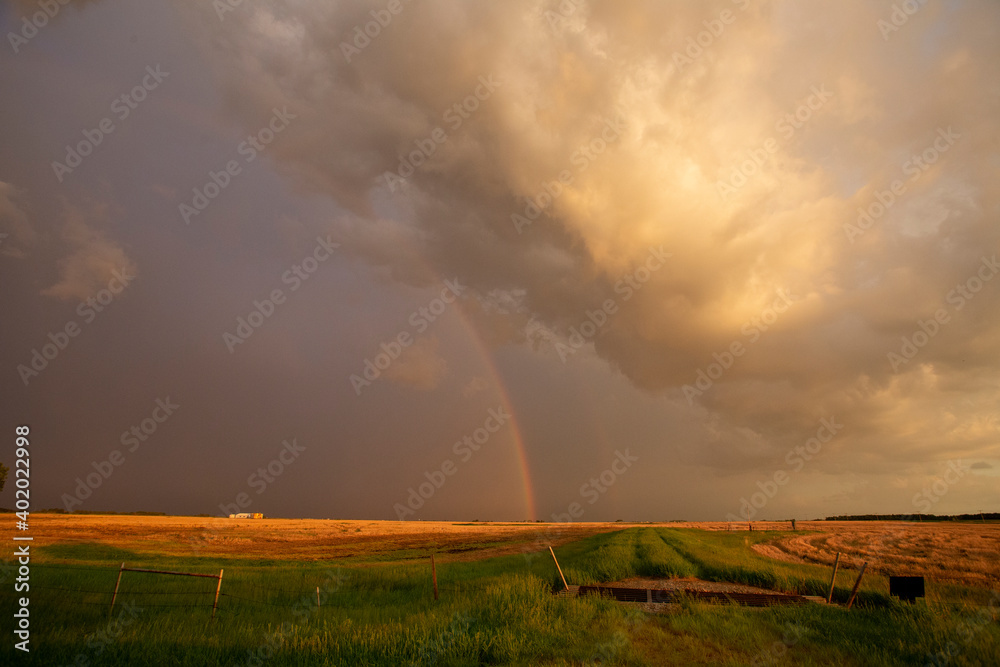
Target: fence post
[
  {"x": 115, "y": 594},
  {"x": 565, "y": 585},
  {"x": 434, "y": 576},
  {"x": 833, "y": 579},
  {"x": 217, "y": 589},
  {"x": 857, "y": 584}
]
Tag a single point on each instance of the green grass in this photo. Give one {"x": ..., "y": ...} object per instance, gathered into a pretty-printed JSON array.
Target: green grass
[{"x": 496, "y": 611}]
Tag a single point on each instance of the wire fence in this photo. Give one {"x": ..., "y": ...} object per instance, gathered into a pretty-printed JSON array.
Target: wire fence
[
  {"x": 190, "y": 599},
  {"x": 244, "y": 596},
  {"x": 177, "y": 594}
]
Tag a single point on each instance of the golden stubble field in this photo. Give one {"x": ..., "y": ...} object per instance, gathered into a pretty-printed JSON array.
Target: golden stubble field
[
  {"x": 966, "y": 553},
  {"x": 958, "y": 552},
  {"x": 304, "y": 539}
]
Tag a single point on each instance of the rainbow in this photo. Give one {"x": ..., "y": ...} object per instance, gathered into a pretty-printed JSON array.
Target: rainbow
[{"x": 520, "y": 451}]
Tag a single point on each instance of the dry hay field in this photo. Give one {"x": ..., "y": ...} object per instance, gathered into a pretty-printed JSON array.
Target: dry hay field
[
  {"x": 306, "y": 539},
  {"x": 962, "y": 553},
  {"x": 965, "y": 553}
]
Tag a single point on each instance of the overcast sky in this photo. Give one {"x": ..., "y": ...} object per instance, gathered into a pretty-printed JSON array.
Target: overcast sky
[{"x": 470, "y": 260}]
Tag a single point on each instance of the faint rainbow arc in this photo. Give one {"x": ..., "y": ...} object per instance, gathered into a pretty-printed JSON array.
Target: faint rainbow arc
[{"x": 519, "y": 447}]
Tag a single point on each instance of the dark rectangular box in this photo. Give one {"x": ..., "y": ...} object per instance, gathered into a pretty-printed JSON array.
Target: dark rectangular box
[{"x": 906, "y": 588}]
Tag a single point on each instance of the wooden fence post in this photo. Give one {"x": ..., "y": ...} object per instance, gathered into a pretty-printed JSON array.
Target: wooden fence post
[
  {"x": 833, "y": 579},
  {"x": 115, "y": 594},
  {"x": 434, "y": 575},
  {"x": 857, "y": 584},
  {"x": 565, "y": 585},
  {"x": 217, "y": 589},
  {"x": 317, "y": 596}
]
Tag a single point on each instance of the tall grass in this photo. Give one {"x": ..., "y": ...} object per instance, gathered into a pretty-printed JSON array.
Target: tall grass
[{"x": 496, "y": 611}]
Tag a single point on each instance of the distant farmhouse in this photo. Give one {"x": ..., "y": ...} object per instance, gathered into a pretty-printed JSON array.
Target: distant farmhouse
[{"x": 247, "y": 515}]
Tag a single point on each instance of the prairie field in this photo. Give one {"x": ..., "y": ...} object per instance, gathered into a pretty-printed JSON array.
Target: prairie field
[
  {"x": 331, "y": 592},
  {"x": 964, "y": 553},
  {"x": 302, "y": 539}
]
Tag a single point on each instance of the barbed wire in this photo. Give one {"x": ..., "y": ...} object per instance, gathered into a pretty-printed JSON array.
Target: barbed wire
[
  {"x": 158, "y": 606},
  {"x": 238, "y": 584},
  {"x": 131, "y": 594},
  {"x": 270, "y": 604},
  {"x": 121, "y": 592}
]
